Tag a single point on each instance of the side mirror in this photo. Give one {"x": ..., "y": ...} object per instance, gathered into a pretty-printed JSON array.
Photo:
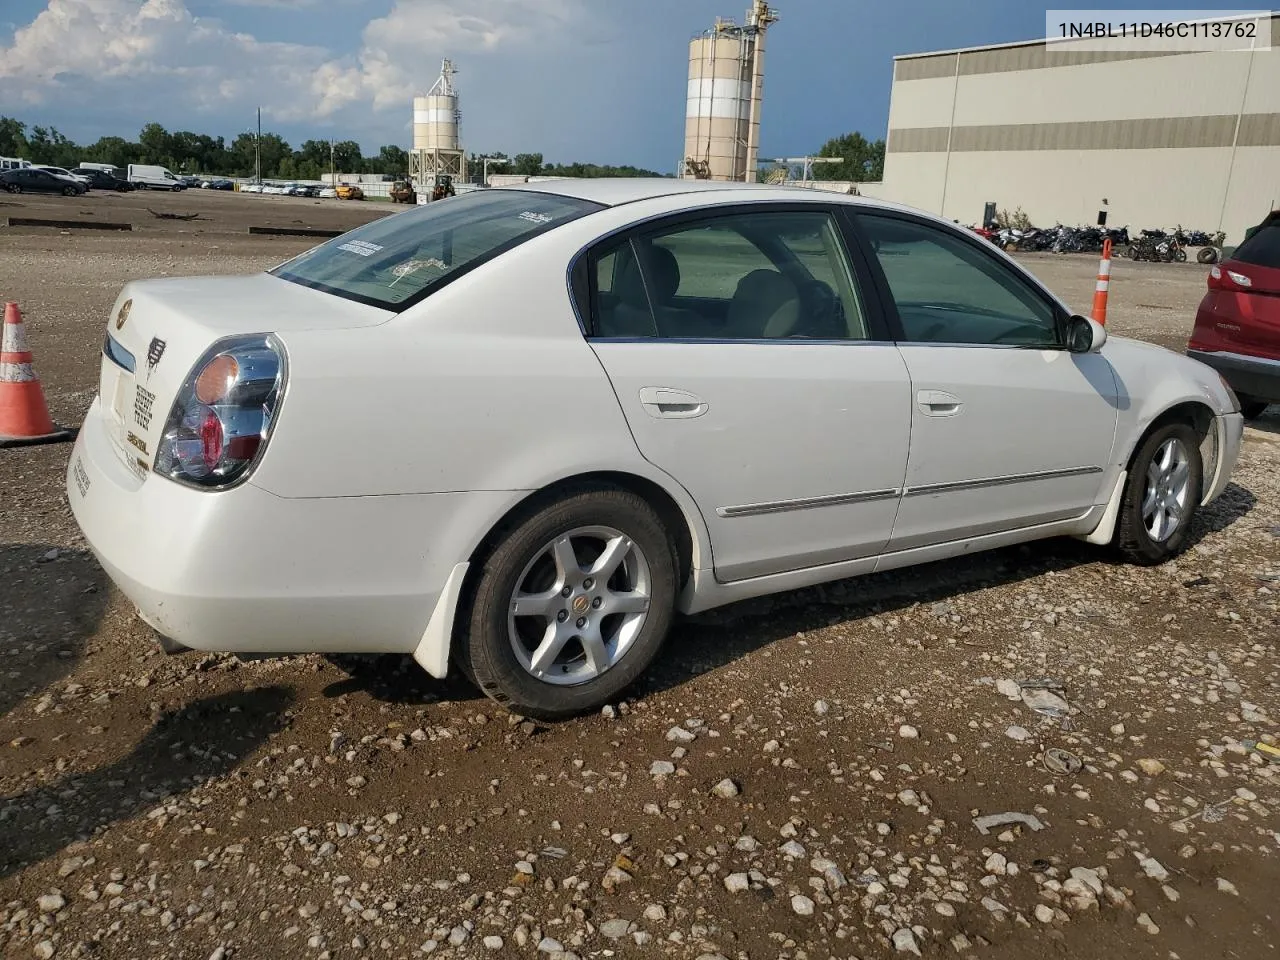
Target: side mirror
[{"x": 1085, "y": 335}]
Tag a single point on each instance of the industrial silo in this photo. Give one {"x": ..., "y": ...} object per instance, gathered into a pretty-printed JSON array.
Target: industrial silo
[
  {"x": 726, "y": 90},
  {"x": 437, "y": 140}
]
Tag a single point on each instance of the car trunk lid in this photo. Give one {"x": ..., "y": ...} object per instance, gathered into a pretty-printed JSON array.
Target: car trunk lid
[{"x": 158, "y": 329}]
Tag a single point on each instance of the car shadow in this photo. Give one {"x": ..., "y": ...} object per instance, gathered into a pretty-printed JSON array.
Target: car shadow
[
  {"x": 51, "y": 603},
  {"x": 396, "y": 678},
  {"x": 1269, "y": 422},
  {"x": 708, "y": 641},
  {"x": 183, "y": 748},
  {"x": 1235, "y": 503}
]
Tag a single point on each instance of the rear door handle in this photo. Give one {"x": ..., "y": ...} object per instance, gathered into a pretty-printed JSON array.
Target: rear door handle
[
  {"x": 667, "y": 403},
  {"x": 938, "y": 403}
]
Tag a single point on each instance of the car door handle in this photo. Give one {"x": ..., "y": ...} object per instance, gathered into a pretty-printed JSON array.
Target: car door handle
[
  {"x": 667, "y": 403},
  {"x": 937, "y": 403}
]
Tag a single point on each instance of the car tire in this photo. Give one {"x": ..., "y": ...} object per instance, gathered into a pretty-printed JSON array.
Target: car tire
[
  {"x": 1207, "y": 255},
  {"x": 14, "y": 187},
  {"x": 1149, "y": 532},
  {"x": 1251, "y": 408},
  {"x": 70, "y": 192},
  {"x": 531, "y": 560}
]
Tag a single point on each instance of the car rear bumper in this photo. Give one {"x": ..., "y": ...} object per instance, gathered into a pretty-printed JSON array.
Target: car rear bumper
[
  {"x": 1257, "y": 377},
  {"x": 243, "y": 570}
]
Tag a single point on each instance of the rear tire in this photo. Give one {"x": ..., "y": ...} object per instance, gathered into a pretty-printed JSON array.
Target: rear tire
[
  {"x": 14, "y": 187},
  {"x": 538, "y": 665},
  {"x": 1161, "y": 496}
]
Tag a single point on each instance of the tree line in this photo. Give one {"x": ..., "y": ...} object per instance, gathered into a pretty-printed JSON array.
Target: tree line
[
  {"x": 186, "y": 152},
  {"x": 862, "y": 160}
]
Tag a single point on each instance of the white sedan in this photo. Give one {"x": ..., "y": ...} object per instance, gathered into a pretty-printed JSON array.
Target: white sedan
[{"x": 517, "y": 431}]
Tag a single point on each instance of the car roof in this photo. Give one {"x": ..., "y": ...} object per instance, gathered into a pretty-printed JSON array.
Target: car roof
[{"x": 612, "y": 191}]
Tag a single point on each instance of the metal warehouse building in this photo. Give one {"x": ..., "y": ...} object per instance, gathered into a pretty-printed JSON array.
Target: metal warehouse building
[{"x": 1154, "y": 138}]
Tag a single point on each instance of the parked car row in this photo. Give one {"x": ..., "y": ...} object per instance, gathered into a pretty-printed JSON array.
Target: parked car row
[
  {"x": 344, "y": 191},
  {"x": 40, "y": 180}
]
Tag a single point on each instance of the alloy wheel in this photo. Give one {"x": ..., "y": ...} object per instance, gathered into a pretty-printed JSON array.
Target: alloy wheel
[
  {"x": 579, "y": 605},
  {"x": 1167, "y": 489}
]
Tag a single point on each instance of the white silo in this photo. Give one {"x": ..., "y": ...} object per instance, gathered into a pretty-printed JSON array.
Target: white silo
[
  {"x": 437, "y": 139},
  {"x": 726, "y": 91}
]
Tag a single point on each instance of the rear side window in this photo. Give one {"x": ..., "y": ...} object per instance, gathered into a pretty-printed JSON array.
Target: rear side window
[
  {"x": 396, "y": 261},
  {"x": 767, "y": 275},
  {"x": 1262, "y": 249}
]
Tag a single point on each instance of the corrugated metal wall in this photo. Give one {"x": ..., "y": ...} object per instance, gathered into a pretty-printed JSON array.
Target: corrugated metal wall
[{"x": 1165, "y": 137}]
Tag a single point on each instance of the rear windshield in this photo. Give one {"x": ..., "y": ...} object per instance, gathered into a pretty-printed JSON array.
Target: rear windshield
[
  {"x": 396, "y": 261},
  {"x": 1262, "y": 249}
]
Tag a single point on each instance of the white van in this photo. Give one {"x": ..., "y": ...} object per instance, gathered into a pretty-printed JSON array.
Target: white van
[
  {"x": 14, "y": 163},
  {"x": 148, "y": 177}
]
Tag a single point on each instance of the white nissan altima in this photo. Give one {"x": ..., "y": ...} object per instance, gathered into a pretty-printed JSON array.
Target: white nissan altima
[{"x": 518, "y": 430}]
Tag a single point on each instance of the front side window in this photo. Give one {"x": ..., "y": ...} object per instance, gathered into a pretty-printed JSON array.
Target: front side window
[
  {"x": 395, "y": 261},
  {"x": 760, "y": 276},
  {"x": 947, "y": 290}
]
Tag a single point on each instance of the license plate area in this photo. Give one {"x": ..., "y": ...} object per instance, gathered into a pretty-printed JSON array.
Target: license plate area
[{"x": 118, "y": 389}]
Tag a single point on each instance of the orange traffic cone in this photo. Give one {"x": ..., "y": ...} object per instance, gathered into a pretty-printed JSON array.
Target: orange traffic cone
[
  {"x": 1103, "y": 285},
  {"x": 24, "y": 416}
]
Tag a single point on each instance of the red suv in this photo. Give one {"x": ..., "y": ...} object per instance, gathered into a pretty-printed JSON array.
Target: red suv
[{"x": 1237, "y": 328}]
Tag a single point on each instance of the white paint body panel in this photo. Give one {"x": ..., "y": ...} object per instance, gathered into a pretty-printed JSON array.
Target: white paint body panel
[
  {"x": 1020, "y": 412},
  {"x": 403, "y": 439},
  {"x": 783, "y": 422}
]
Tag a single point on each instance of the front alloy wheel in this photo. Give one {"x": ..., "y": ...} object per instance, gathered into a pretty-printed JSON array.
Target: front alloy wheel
[
  {"x": 1161, "y": 495},
  {"x": 1165, "y": 493},
  {"x": 571, "y": 606}
]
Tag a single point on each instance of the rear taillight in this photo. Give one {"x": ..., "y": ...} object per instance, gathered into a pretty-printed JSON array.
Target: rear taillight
[
  {"x": 1220, "y": 279},
  {"x": 221, "y": 419}
]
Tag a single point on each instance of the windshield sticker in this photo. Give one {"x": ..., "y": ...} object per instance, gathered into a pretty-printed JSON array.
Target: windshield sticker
[
  {"x": 536, "y": 217},
  {"x": 362, "y": 247},
  {"x": 402, "y": 270}
]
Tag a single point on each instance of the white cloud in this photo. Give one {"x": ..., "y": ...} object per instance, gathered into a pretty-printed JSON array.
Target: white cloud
[
  {"x": 152, "y": 51},
  {"x": 393, "y": 60}
]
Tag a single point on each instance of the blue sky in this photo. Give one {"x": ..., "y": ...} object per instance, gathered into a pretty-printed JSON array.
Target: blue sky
[{"x": 591, "y": 80}]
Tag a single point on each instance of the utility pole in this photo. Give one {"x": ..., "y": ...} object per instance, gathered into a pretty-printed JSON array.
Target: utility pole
[
  {"x": 333, "y": 174},
  {"x": 484, "y": 177},
  {"x": 257, "y": 151}
]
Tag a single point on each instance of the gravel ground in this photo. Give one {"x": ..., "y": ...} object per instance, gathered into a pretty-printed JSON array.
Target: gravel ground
[{"x": 801, "y": 777}]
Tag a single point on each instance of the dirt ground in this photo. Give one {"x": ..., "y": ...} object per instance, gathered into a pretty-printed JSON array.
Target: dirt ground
[{"x": 205, "y": 807}]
